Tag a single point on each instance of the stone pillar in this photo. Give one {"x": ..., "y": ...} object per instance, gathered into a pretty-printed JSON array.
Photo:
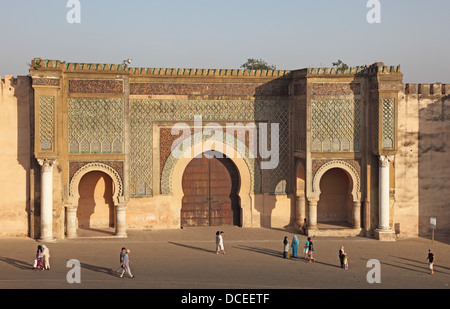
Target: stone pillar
[
  {"x": 71, "y": 219},
  {"x": 300, "y": 209},
  {"x": 46, "y": 199},
  {"x": 383, "y": 232},
  {"x": 356, "y": 214},
  {"x": 121, "y": 229},
  {"x": 312, "y": 214}
]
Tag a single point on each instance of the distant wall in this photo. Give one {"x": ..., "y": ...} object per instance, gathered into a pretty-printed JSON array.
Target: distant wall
[
  {"x": 15, "y": 154},
  {"x": 422, "y": 165}
]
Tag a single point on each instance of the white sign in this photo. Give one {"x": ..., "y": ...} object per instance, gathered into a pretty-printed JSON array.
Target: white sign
[{"x": 433, "y": 223}]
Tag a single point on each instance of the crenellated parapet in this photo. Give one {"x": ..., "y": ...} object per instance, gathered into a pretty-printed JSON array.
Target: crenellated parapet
[
  {"x": 427, "y": 90},
  {"x": 45, "y": 64}
]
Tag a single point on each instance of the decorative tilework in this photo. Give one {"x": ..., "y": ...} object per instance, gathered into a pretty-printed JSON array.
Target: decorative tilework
[
  {"x": 388, "y": 123},
  {"x": 96, "y": 125},
  {"x": 335, "y": 125},
  {"x": 46, "y": 122},
  {"x": 255, "y": 172},
  {"x": 144, "y": 112}
]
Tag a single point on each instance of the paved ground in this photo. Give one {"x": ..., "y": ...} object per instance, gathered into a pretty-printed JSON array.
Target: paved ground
[{"x": 185, "y": 259}]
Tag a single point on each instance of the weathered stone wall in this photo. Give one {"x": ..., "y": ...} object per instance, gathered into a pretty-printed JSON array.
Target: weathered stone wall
[
  {"x": 15, "y": 155},
  {"x": 422, "y": 165}
]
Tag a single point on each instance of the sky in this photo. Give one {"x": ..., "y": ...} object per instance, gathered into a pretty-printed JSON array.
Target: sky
[{"x": 290, "y": 34}]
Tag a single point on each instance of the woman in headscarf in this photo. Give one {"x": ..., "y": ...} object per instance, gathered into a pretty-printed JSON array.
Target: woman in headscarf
[
  {"x": 46, "y": 254},
  {"x": 294, "y": 246},
  {"x": 342, "y": 257}
]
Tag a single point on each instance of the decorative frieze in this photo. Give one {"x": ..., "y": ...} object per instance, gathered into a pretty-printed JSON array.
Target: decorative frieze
[
  {"x": 225, "y": 89},
  {"x": 43, "y": 81},
  {"x": 96, "y": 86}
]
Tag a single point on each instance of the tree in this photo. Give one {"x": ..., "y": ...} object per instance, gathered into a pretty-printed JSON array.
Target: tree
[
  {"x": 254, "y": 64},
  {"x": 340, "y": 65}
]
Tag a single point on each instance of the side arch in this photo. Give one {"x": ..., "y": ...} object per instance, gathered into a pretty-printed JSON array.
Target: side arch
[
  {"x": 118, "y": 198},
  {"x": 74, "y": 195},
  {"x": 356, "y": 190}
]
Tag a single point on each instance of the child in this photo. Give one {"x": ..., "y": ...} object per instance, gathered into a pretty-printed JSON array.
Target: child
[{"x": 345, "y": 261}]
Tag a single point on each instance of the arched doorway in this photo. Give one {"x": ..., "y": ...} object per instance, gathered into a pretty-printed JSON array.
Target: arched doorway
[
  {"x": 95, "y": 203},
  {"x": 210, "y": 185},
  {"x": 335, "y": 203}
]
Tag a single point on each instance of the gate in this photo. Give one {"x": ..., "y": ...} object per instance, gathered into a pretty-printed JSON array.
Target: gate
[{"x": 210, "y": 187}]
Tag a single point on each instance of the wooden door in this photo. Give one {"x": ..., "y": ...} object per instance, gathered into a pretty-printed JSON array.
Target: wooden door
[{"x": 210, "y": 187}]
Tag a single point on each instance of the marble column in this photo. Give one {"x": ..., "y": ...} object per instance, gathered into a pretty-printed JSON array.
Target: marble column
[
  {"x": 300, "y": 209},
  {"x": 312, "y": 214},
  {"x": 384, "y": 231},
  {"x": 71, "y": 219},
  {"x": 121, "y": 229},
  {"x": 384, "y": 192},
  {"x": 46, "y": 199}
]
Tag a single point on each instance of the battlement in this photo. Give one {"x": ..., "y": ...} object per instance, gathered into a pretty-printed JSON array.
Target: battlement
[
  {"x": 436, "y": 89},
  {"x": 38, "y": 64},
  {"x": 365, "y": 69}
]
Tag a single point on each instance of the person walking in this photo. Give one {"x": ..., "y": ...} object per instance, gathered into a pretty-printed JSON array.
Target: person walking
[
  {"x": 46, "y": 255},
  {"x": 123, "y": 252},
  {"x": 342, "y": 256},
  {"x": 294, "y": 246},
  {"x": 219, "y": 241},
  {"x": 311, "y": 251},
  {"x": 431, "y": 259},
  {"x": 126, "y": 264},
  {"x": 38, "y": 264},
  {"x": 306, "y": 248},
  {"x": 285, "y": 247}
]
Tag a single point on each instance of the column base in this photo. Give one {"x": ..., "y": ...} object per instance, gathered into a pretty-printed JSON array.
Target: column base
[
  {"x": 49, "y": 239},
  {"x": 121, "y": 235},
  {"x": 384, "y": 235}
]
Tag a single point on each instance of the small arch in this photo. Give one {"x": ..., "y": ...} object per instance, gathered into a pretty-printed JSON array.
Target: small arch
[
  {"x": 335, "y": 200},
  {"x": 74, "y": 194},
  {"x": 95, "y": 206},
  {"x": 353, "y": 174}
]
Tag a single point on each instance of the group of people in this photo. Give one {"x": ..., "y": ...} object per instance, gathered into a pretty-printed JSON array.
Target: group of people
[
  {"x": 308, "y": 249},
  {"x": 42, "y": 260},
  {"x": 308, "y": 252}
]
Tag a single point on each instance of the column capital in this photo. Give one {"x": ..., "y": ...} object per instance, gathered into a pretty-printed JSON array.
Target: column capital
[
  {"x": 384, "y": 160},
  {"x": 46, "y": 163},
  {"x": 313, "y": 201}
]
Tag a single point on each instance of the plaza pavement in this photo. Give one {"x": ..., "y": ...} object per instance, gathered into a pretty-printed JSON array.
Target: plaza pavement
[{"x": 186, "y": 259}]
